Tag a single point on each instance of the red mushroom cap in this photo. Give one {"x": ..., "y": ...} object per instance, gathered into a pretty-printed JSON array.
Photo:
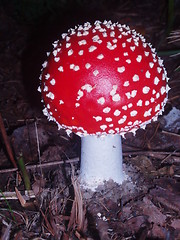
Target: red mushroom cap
[{"x": 103, "y": 79}]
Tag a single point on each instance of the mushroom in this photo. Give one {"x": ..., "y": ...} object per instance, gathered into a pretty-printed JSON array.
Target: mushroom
[{"x": 101, "y": 81}]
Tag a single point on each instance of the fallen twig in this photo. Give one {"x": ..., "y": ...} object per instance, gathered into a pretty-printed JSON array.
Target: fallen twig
[
  {"x": 13, "y": 196},
  {"x": 42, "y": 165},
  {"x": 154, "y": 154}
]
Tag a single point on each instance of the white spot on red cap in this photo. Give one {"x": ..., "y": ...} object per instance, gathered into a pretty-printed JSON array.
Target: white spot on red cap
[
  {"x": 145, "y": 89},
  {"x": 151, "y": 64},
  {"x": 80, "y": 94},
  {"x": 39, "y": 89},
  {"x": 104, "y": 34},
  {"x": 52, "y": 82},
  {"x": 139, "y": 103},
  {"x": 45, "y": 111},
  {"x": 110, "y": 46},
  {"x": 98, "y": 118},
  {"x": 157, "y": 95},
  {"x": 116, "y": 58},
  {"x": 114, "y": 40},
  {"x": 132, "y": 48},
  {"x": 82, "y": 42},
  {"x": 117, "y": 113},
  {"x": 113, "y": 91},
  {"x": 167, "y": 88},
  {"x": 79, "y": 34},
  {"x": 101, "y": 100},
  {"x": 112, "y": 34},
  {"x": 111, "y": 131},
  {"x": 148, "y": 75},
  {"x": 60, "y": 69},
  {"x": 146, "y": 54},
  {"x": 124, "y": 107},
  {"x": 130, "y": 105},
  {"x": 45, "y": 88},
  {"x": 74, "y": 67},
  {"x": 100, "y": 56},
  {"x": 88, "y": 65},
  {"x": 95, "y": 38},
  {"x": 128, "y": 61},
  {"x": 160, "y": 61},
  {"x": 56, "y": 59},
  {"x": 121, "y": 69},
  {"x": 70, "y": 52},
  {"x": 116, "y": 97},
  {"x": 80, "y": 52},
  {"x": 123, "y": 119},
  {"x": 77, "y": 105},
  {"x": 131, "y": 94},
  {"x": 148, "y": 113},
  {"x": 157, "y": 108},
  {"x": 44, "y": 65},
  {"x": 129, "y": 39},
  {"x": 123, "y": 45},
  {"x": 126, "y": 84},
  {"x": 163, "y": 76},
  {"x": 87, "y": 87},
  {"x": 55, "y": 53},
  {"x": 108, "y": 119},
  {"x": 103, "y": 127},
  {"x": 135, "y": 78},
  {"x": 68, "y": 45},
  {"x": 163, "y": 90},
  {"x": 50, "y": 95},
  {"x": 61, "y": 102},
  {"x": 47, "y": 76},
  {"x": 152, "y": 99},
  {"x": 107, "y": 110},
  {"x": 133, "y": 113},
  {"x": 63, "y": 35},
  {"x": 92, "y": 48},
  {"x": 156, "y": 80},
  {"x": 96, "y": 72},
  {"x": 139, "y": 58}
]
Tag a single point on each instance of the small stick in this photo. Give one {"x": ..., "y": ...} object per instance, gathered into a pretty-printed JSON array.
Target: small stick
[
  {"x": 75, "y": 160},
  {"x": 42, "y": 165},
  {"x": 6, "y": 142}
]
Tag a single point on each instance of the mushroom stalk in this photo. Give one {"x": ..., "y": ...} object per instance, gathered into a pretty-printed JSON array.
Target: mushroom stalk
[{"x": 101, "y": 160}]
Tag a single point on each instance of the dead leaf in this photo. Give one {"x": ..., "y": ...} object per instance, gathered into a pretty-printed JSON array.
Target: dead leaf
[{"x": 22, "y": 200}]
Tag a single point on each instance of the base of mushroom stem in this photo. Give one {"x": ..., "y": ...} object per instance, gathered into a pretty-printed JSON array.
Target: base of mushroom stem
[{"x": 101, "y": 160}]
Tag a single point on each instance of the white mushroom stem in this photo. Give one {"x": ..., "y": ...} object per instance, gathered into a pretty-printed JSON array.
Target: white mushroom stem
[{"x": 101, "y": 160}]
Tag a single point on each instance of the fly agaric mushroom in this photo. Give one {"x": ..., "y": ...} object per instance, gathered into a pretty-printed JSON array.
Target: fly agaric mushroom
[{"x": 100, "y": 82}]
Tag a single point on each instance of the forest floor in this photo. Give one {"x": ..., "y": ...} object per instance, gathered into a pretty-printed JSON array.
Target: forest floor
[{"x": 147, "y": 205}]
